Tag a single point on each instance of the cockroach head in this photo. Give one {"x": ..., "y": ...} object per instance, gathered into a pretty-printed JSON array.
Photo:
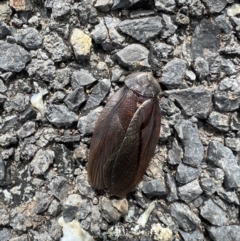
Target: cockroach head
[{"x": 143, "y": 83}]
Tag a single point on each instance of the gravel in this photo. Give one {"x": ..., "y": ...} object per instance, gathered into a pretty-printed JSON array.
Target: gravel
[{"x": 60, "y": 61}]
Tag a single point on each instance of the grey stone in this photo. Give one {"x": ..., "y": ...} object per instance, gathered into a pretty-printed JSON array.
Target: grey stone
[
  {"x": 18, "y": 103},
  {"x": 159, "y": 52},
  {"x": 56, "y": 47},
  {"x": 142, "y": 29},
  {"x": 195, "y": 101},
  {"x": 227, "y": 95},
  {"x": 84, "y": 187},
  {"x": 8, "y": 139},
  {"x": 62, "y": 78},
  {"x": 173, "y": 73},
  {"x": 60, "y": 116},
  {"x": 26, "y": 130},
  {"x": 13, "y": 57},
  {"x": 20, "y": 222},
  {"x": 196, "y": 8},
  {"x": 43, "y": 200},
  {"x": 3, "y": 88},
  {"x": 233, "y": 143},
  {"x": 100, "y": 33},
  {"x": 9, "y": 122},
  {"x": 60, "y": 9},
  {"x": 28, "y": 152},
  {"x": 219, "y": 121},
  {"x": 230, "y": 47},
  {"x": 2, "y": 98},
  {"x": 169, "y": 29},
  {"x": 168, "y": 108},
  {"x": 98, "y": 94},
  {"x": 229, "y": 196},
  {"x": 223, "y": 157},
  {"x": 87, "y": 123},
  {"x": 7, "y": 153},
  {"x": 201, "y": 68},
  {"x": 4, "y": 30},
  {"x": 226, "y": 233},
  {"x": 215, "y": 6},
  {"x": 186, "y": 174},
  {"x": 57, "y": 97},
  {"x": 213, "y": 213},
  {"x": 5, "y": 11},
  {"x": 165, "y": 132},
  {"x": 28, "y": 114},
  {"x": 6, "y": 235},
  {"x": 62, "y": 28},
  {"x": 81, "y": 153},
  {"x": 154, "y": 188},
  {"x": 235, "y": 121},
  {"x": 172, "y": 193},
  {"x": 182, "y": 19},
  {"x": 123, "y": 3},
  {"x": 168, "y": 6},
  {"x": 175, "y": 153},
  {"x": 81, "y": 78},
  {"x": 192, "y": 146},
  {"x": 223, "y": 24},
  {"x": 41, "y": 161},
  {"x": 109, "y": 213},
  {"x": 54, "y": 208},
  {"x": 75, "y": 99},
  {"x": 103, "y": 5},
  {"x": 185, "y": 218},
  {"x": 133, "y": 57},
  {"x": 190, "y": 191},
  {"x": 2, "y": 170},
  {"x": 208, "y": 185},
  {"x": 205, "y": 43},
  {"x": 69, "y": 212},
  {"x": 34, "y": 21},
  {"x": 41, "y": 70},
  {"x": 23, "y": 237},
  {"x": 30, "y": 38},
  {"x": 68, "y": 138},
  {"x": 196, "y": 235},
  {"x": 59, "y": 188}
]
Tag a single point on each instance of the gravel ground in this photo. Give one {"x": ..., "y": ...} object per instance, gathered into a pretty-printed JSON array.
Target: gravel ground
[{"x": 60, "y": 60}]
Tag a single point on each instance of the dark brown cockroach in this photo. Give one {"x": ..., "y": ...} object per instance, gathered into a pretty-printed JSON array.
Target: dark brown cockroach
[{"x": 125, "y": 136}]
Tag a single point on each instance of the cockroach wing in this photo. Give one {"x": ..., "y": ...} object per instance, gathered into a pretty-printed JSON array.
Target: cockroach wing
[
  {"x": 108, "y": 135},
  {"x": 137, "y": 148}
]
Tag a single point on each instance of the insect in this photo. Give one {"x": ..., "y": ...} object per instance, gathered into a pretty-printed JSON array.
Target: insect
[{"x": 125, "y": 136}]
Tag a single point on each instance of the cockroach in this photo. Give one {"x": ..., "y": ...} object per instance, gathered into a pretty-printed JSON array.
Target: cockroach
[{"x": 125, "y": 136}]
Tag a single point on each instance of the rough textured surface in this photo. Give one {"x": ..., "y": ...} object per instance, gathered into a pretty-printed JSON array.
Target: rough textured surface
[{"x": 60, "y": 61}]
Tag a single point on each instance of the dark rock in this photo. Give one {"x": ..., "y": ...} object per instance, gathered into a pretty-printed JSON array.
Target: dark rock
[
  {"x": 81, "y": 78},
  {"x": 168, "y": 107},
  {"x": 62, "y": 28},
  {"x": 59, "y": 188},
  {"x": 62, "y": 78},
  {"x": 196, "y": 8},
  {"x": 9, "y": 122},
  {"x": 28, "y": 114},
  {"x": 103, "y": 5},
  {"x": 60, "y": 9},
  {"x": 194, "y": 101},
  {"x": 26, "y": 130},
  {"x": 56, "y": 47},
  {"x": 169, "y": 29},
  {"x": 123, "y": 3},
  {"x": 4, "y": 30},
  {"x": 60, "y": 116},
  {"x": 223, "y": 157},
  {"x": 172, "y": 193},
  {"x": 173, "y": 73},
  {"x": 7, "y": 139},
  {"x": 41, "y": 161},
  {"x": 41, "y": 70},
  {"x": 192, "y": 146},
  {"x": 175, "y": 154},
  {"x": 30, "y": 38},
  {"x": 2, "y": 170},
  {"x": 57, "y": 97},
  {"x": 68, "y": 138},
  {"x": 159, "y": 52},
  {"x": 43, "y": 200},
  {"x": 225, "y": 27},
  {"x": 2, "y": 98},
  {"x": 142, "y": 29},
  {"x": 185, "y": 218},
  {"x": 233, "y": 143},
  {"x": 230, "y": 47},
  {"x": 190, "y": 191},
  {"x": 69, "y": 212},
  {"x": 84, "y": 187},
  {"x": 213, "y": 213},
  {"x": 196, "y": 235},
  {"x": 75, "y": 99},
  {"x": 205, "y": 42},
  {"x": 219, "y": 121},
  {"x": 87, "y": 123},
  {"x": 226, "y": 233},
  {"x": 154, "y": 188},
  {"x": 98, "y": 94},
  {"x": 133, "y": 57},
  {"x": 208, "y": 185},
  {"x": 215, "y": 6},
  {"x": 186, "y": 174},
  {"x": 162, "y": 5},
  {"x": 18, "y": 103},
  {"x": 201, "y": 68},
  {"x": 13, "y": 57},
  {"x": 28, "y": 152},
  {"x": 227, "y": 95}
]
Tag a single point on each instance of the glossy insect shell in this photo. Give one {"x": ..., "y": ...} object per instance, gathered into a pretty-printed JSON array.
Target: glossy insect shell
[{"x": 125, "y": 136}]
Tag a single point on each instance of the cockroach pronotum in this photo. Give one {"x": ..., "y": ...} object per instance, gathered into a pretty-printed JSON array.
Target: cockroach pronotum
[{"x": 125, "y": 136}]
